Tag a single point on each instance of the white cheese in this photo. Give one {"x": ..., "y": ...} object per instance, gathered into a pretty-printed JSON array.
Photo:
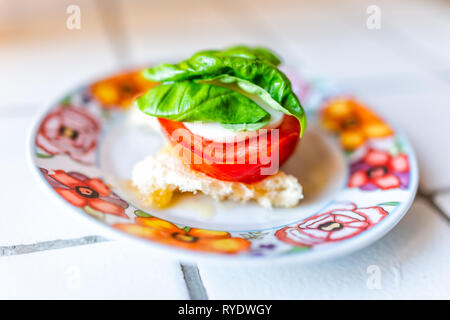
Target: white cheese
[{"x": 214, "y": 131}]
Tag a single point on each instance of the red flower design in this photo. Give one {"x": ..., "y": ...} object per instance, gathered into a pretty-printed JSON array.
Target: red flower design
[
  {"x": 331, "y": 226},
  {"x": 91, "y": 194},
  {"x": 378, "y": 169},
  {"x": 69, "y": 130}
]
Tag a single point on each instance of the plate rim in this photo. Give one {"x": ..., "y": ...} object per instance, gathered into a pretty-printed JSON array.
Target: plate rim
[{"x": 339, "y": 249}]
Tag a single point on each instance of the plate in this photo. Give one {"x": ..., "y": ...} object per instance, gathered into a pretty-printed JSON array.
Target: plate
[{"x": 359, "y": 176}]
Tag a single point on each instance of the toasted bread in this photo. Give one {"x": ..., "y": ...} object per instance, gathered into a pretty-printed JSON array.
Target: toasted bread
[{"x": 158, "y": 176}]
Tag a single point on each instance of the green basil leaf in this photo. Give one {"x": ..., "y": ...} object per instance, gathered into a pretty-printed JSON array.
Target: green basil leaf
[
  {"x": 247, "y": 52},
  {"x": 248, "y": 89},
  {"x": 192, "y": 101},
  {"x": 208, "y": 64}
]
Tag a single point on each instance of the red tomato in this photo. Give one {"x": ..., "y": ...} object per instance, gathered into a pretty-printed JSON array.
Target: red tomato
[{"x": 248, "y": 161}]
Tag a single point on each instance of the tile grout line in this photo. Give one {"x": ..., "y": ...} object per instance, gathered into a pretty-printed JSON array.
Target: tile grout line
[
  {"x": 49, "y": 245},
  {"x": 105, "y": 15},
  {"x": 114, "y": 26},
  {"x": 438, "y": 191},
  {"x": 428, "y": 197},
  {"x": 191, "y": 273},
  {"x": 194, "y": 283}
]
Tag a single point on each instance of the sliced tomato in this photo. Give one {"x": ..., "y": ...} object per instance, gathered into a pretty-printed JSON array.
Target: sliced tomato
[{"x": 245, "y": 161}]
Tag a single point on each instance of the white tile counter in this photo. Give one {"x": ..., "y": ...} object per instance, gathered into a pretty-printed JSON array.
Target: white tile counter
[
  {"x": 401, "y": 70},
  {"x": 107, "y": 270},
  {"x": 402, "y": 260}
]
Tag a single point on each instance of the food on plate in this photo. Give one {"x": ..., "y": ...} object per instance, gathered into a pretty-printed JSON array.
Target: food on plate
[
  {"x": 159, "y": 176},
  {"x": 231, "y": 119}
]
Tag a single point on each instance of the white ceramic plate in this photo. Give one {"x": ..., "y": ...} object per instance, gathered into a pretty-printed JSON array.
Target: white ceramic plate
[{"x": 359, "y": 177}]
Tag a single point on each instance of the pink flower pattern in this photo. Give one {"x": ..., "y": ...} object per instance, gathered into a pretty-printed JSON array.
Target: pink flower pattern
[
  {"x": 69, "y": 130},
  {"x": 334, "y": 225}
]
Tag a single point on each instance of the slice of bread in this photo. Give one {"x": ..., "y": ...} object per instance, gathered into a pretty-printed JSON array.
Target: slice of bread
[{"x": 158, "y": 176}]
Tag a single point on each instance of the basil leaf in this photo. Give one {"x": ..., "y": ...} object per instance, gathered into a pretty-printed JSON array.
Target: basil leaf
[
  {"x": 192, "y": 101},
  {"x": 207, "y": 64},
  {"x": 246, "y": 52},
  {"x": 248, "y": 89},
  {"x": 253, "y": 53}
]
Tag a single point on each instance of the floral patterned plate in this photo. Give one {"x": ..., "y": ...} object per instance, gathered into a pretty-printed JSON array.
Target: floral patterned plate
[{"x": 359, "y": 176}]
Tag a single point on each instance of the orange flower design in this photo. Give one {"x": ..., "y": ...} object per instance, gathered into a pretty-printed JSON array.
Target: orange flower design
[
  {"x": 90, "y": 194},
  {"x": 354, "y": 122},
  {"x": 193, "y": 239},
  {"x": 121, "y": 90}
]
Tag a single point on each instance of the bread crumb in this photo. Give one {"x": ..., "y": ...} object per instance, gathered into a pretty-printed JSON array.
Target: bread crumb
[{"x": 159, "y": 176}]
